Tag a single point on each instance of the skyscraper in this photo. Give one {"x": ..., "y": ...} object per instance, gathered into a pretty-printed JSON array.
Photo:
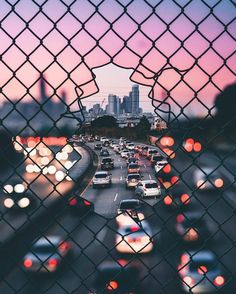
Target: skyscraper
[
  {"x": 127, "y": 104},
  {"x": 135, "y": 99},
  {"x": 112, "y": 104}
]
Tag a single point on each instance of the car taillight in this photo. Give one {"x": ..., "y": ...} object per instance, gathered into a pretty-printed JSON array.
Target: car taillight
[
  {"x": 52, "y": 262},
  {"x": 167, "y": 169},
  {"x": 185, "y": 199},
  {"x": 184, "y": 259},
  {"x": 179, "y": 218},
  {"x": 112, "y": 285},
  {"x": 28, "y": 263},
  {"x": 188, "y": 281},
  {"x": 219, "y": 281},
  {"x": 64, "y": 246},
  {"x": 134, "y": 229},
  {"x": 202, "y": 269},
  {"x": 201, "y": 184},
  {"x": 73, "y": 202},
  {"x": 87, "y": 203},
  {"x": 174, "y": 180},
  {"x": 168, "y": 200}
]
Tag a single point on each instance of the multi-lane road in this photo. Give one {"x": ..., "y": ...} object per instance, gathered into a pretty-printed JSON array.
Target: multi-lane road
[{"x": 93, "y": 237}]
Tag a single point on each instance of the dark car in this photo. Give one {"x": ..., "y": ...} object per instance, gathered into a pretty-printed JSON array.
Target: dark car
[
  {"x": 80, "y": 206},
  {"x": 131, "y": 160},
  {"x": 112, "y": 277},
  {"x": 106, "y": 143},
  {"x": 107, "y": 163},
  {"x": 156, "y": 158},
  {"x": 177, "y": 196},
  {"x": 192, "y": 228},
  {"x": 104, "y": 152},
  {"x": 98, "y": 146}
]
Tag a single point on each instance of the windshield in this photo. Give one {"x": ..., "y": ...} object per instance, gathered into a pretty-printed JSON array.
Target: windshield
[
  {"x": 107, "y": 160},
  {"x": 129, "y": 205},
  {"x": 133, "y": 165},
  {"x": 136, "y": 177}
]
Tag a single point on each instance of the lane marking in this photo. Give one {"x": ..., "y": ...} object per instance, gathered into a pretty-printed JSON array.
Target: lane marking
[
  {"x": 115, "y": 197},
  {"x": 120, "y": 178},
  {"x": 150, "y": 177},
  {"x": 145, "y": 166}
]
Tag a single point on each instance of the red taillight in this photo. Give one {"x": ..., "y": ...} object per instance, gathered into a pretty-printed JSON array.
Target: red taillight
[
  {"x": 202, "y": 269},
  {"x": 87, "y": 203},
  {"x": 73, "y": 202},
  {"x": 168, "y": 200},
  {"x": 112, "y": 285},
  {"x": 179, "y": 218},
  {"x": 188, "y": 281},
  {"x": 52, "y": 262},
  {"x": 134, "y": 229},
  {"x": 184, "y": 259},
  {"x": 64, "y": 246},
  {"x": 122, "y": 262},
  {"x": 185, "y": 199},
  {"x": 167, "y": 169},
  {"x": 28, "y": 263},
  {"x": 174, "y": 180},
  {"x": 219, "y": 281}
]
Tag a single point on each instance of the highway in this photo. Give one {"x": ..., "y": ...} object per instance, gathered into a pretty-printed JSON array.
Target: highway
[{"x": 93, "y": 237}]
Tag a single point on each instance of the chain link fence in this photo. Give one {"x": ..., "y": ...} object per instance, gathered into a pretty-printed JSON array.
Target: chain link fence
[{"x": 59, "y": 234}]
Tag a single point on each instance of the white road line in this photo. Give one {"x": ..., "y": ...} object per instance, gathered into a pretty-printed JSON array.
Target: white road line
[
  {"x": 115, "y": 196},
  {"x": 145, "y": 166},
  {"x": 150, "y": 177},
  {"x": 121, "y": 178},
  {"x": 121, "y": 167}
]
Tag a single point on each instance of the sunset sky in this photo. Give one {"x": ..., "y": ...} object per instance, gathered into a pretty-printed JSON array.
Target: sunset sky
[{"x": 77, "y": 39}]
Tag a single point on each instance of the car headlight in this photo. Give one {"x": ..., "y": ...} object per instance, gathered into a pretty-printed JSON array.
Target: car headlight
[
  {"x": 24, "y": 202},
  {"x": 8, "y": 188},
  {"x": 8, "y": 203},
  {"x": 19, "y": 188}
]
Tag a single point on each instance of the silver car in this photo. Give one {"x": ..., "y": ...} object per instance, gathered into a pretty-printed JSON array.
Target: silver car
[
  {"x": 148, "y": 188},
  {"x": 47, "y": 255},
  {"x": 102, "y": 178}
]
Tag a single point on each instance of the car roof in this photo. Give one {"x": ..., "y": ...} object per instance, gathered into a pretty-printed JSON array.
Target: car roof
[
  {"x": 130, "y": 200},
  {"x": 148, "y": 181}
]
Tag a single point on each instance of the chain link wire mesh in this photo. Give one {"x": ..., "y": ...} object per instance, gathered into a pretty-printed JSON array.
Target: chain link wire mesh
[{"x": 72, "y": 240}]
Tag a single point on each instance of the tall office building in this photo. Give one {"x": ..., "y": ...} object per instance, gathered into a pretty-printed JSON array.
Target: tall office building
[
  {"x": 127, "y": 104},
  {"x": 135, "y": 99},
  {"x": 112, "y": 104}
]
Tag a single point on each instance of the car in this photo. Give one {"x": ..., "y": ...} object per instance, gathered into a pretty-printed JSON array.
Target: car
[
  {"x": 133, "y": 168},
  {"x": 200, "y": 272},
  {"x": 91, "y": 139},
  {"x": 16, "y": 196},
  {"x": 134, "y": 238},
  {"x": 129, "y": 212},
  {"x": 104, "y": 152},
  {"x": 107, "y": 163},
  {"x": 144, "y": 150},
  {"x": 124, "y": 153},
  {"x": 155, "y": 159},
  {"x": 130, "y": 146},
  {"x": 151, "y": 152},
  {"x": 116, "y": 277},
  {"x": 74, "y": 139},
  {"x": 97, "y": 138},
  {"x": 98, "y": 146},
  {"x": 159, "y": 165},
  {"x": 105, "y": 143},
  {"x": 177, "y": 196},
  {"x": 131, "y": 160},
  {"x": 148, "y": 188},
  {"x": 80, "y": 206},
  {"x": 192, "y": 228},
  {"x": 117, "y": 149},
  {"x": 47, "y": 255},
  {"x": 132, "y": 180},
  {"x": 101, "y": 178},
  {"x": 208, "y": 179},
  {"x": 102, "y": 139}
]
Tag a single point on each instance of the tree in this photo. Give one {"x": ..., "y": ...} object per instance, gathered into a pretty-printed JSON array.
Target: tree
[
  {"x": 142, "y": 128},
  {"x": 106, "y": 121},
  {"x": 225, "y": 104}
]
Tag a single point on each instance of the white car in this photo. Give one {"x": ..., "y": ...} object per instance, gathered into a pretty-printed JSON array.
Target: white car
[
  {"x": 124, "y": 153},
  {"x": 103, "y": 139},
  {"x": 200, "y": 272},
  {"x": 134, "y": 238},
  {"x": 208, "y": 179},
  {"x": 152, "y": 152},
  {"x": 101, "y": 178},
  {"x": 159, "y": 165},
  {"x": 148, "y": 188},
  {"x": 130, "y": 146}
]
